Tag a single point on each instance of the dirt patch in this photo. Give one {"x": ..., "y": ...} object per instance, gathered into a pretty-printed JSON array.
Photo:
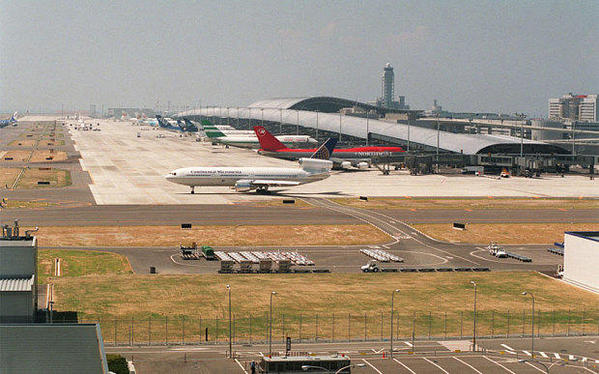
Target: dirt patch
[
  {"x": 36, "y": 178},
  {"x": 478, "y": 203},
  {"x": 8, "y": 175},
  {"x": 28, "y": 143},
  {"x": 16, "y": 156},
  {"x": 505, "y": 233},
  {"x": 164, "y": 236},
  {"x": 48, "y": 156}
]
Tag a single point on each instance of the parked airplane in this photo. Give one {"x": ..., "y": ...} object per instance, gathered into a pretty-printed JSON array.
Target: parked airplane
[
  {"x": 189, "y": 126},
  {"x": 251, "y": 140},
  {"x": 360, "y": 157},
  {"x": 245, "y": 179},
  {"x": 8, "y": 122}
]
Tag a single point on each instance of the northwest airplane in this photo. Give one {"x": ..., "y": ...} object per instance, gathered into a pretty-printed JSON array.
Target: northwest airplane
[
  {"x": 11, "y": 121},
  {"x": 251, "y": 140},
  {"x": 360, "y": 157},
  {"x": 245, "y": 179}
]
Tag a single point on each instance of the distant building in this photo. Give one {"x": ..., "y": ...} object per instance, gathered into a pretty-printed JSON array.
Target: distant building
[
  {"x": 574, "y": 107},
  {"x": 387, "y": 99}
]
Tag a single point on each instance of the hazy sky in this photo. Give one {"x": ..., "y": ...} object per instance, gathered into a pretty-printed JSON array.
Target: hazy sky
[{"x": 470, "y": 55}]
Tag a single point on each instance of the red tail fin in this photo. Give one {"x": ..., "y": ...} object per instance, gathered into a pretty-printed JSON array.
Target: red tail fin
[{"x": 267, "y": 141}]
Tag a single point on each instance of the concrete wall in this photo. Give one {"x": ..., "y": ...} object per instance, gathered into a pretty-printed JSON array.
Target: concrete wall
[
  {"x": 581, "y": 261},
  {"x": 16, "y": 306}
]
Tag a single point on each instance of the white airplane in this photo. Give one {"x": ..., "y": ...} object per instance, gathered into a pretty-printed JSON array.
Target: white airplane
[{"x": 245, "y": 179}]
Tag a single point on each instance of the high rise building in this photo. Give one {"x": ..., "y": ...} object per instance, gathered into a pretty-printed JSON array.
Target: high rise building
[
  {"x": 387, "y": 99},
  {"x": 574, "y": 107}
]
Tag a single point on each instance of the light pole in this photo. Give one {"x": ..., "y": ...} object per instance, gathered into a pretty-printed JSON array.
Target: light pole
[
  {"x": 262, "y": 111},
  {"x": 367, "y": 126},
  {"x": 297, "y": 124},
  {"x": 249, "y": 118},
  {"x": 316, "y": 125},
  {"x": 281, "y": 126},
  {"x": 230, "y": 341},
  {"x": 532, "y": 335},
  {"x": 270, "y": 325},
  {"x": 237, "y": 117},
  {"x": 339, "y": 126},
  {"x": 474, "y": 327},
  {"x": 308, "y": 367},
  {"x": 391, "y": 340}
]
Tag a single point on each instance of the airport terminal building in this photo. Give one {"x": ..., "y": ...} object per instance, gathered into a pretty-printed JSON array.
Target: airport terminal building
[{"x": 324, "y": 116}]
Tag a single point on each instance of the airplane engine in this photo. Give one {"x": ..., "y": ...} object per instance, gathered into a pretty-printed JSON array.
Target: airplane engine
[
  {"x": 243, "y": 186},
  {"x": 345, "y": 165},
  {"x": 363, "y": 165}
]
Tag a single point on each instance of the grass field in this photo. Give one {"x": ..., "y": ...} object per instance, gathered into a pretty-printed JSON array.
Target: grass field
[
  {"x": 162, "y": 236},
  {"x": 320, "y": 303},
  {"x": 476, "y": 203},
  {"x": 17, "y": 155},
  {"x": 504, "y": 233},
  {"x": 8, "y": 175},
  {"x": 56, "y": 177},
  {"x": 80, "y": 263}
]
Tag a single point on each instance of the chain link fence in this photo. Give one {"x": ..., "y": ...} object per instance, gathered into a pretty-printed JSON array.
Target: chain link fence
[{"x": 336, "y": 327}]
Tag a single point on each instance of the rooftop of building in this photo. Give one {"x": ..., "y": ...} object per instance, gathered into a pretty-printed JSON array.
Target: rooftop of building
[
  {"x": 17, "y": 284},
  {"x": 590, "y": 235}
]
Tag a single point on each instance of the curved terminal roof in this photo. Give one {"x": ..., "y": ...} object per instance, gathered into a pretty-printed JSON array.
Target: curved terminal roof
[
  {"x": 390, "y": 132},
  {"x": 323, "y": 104}
]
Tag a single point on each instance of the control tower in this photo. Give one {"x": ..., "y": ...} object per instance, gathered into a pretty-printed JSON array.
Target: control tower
[{"x": 388, "y": 86}]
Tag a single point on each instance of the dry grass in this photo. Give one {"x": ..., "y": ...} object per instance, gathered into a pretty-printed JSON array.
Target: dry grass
[
  {"x": 28, "y": 143},
  {"x": 277, "y": 202},
  {"x": 27, "y": 204},
  {"x": 56, "y": 177},
  {"x": 43, "y": 155},
  {"x": 164, "y": 236},
  {"x": 17, "y": 156},
  {"x": 477, "y": 203},
  {"x": 8, "y": 175},
  {"x": 505, "y": 233},
  {"x": 136, "y": 295}
]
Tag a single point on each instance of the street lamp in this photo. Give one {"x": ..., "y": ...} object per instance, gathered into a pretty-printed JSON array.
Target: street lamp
[
  {"x": 262, "y": 111},
  {"x": 230, "y": 341},
  {"x": 391, "y": 340},
  {"x": 308, "y": 367},
  {"x": 474, "y": 327},
  {"x": 532, "y": 335},
  {"x": 270, "y": 325}
]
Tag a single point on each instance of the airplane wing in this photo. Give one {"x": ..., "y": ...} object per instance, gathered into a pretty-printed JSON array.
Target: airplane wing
[{"x": 273, "y": 183}]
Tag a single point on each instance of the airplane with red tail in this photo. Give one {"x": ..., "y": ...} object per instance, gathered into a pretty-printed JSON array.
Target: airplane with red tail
[{"x": 360, "y": 157}]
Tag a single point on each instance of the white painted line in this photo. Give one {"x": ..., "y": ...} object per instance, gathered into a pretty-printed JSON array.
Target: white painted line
[
  {"x": 584, "y": 359},
  {"x": 241, "y": 366},
  {"x": 589, "y": 370},
  {"x": 372, "y": 366},
  {"x": 402, "y": 364},
  {"x": 511, "y": 352},
  {"x": 557, "y": 356},
  {"x": 571, "y": 358},
  {"x": 534, "y": 367},
  {"x": 543, "y": 354},
  {"x": 507, "y": 347},
  {"x": 431, "y": 362},
  {"x": 498, "y": 364},
  {"x": 467, "y": 364},
  {"x": 408, "y": 344},
  {"x": 527, "y": 353}
]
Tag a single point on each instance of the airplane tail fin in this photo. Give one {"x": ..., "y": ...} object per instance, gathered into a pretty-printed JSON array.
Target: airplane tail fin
[
  {"x": 325, "y": 151},
  {"x": 267, "y": 141},
  {"x": 14, "y": 117},
  {"x": 214, "y": 133}
]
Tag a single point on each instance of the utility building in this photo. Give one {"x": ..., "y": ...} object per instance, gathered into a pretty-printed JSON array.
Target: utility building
[
  {"x": 581, "y": 259},
  {"x": 18, "y": 262}
]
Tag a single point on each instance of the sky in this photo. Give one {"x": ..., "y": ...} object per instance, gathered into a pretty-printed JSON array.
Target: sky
[{"x": 483, "y": 56}]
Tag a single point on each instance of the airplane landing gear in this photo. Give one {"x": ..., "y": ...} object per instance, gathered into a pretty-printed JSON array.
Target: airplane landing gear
[
  {"x": 262, "y": 190},
  {"x": 192, "y": 190}
]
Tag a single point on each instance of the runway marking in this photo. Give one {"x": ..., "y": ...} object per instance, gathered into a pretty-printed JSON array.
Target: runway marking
[
  {"x": 379, "y": 351},
  {"x": 402, "y": 364},
  {"x": 409, "y": 344},
  {"x": 431, "y": 362},
  {"x": 557, "y": 356},
  {"x": 534, "y": 367},
  {"x": 372, "y": 366},
  {"x": 527, "y": 353},
  {"x": 589, "y": 370},
  {"x": 543, "y": 354},
  {"x": 241, "y": 366},
  {"x": 498, "y": 364},
  {"x": 467, "y": 364}
]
